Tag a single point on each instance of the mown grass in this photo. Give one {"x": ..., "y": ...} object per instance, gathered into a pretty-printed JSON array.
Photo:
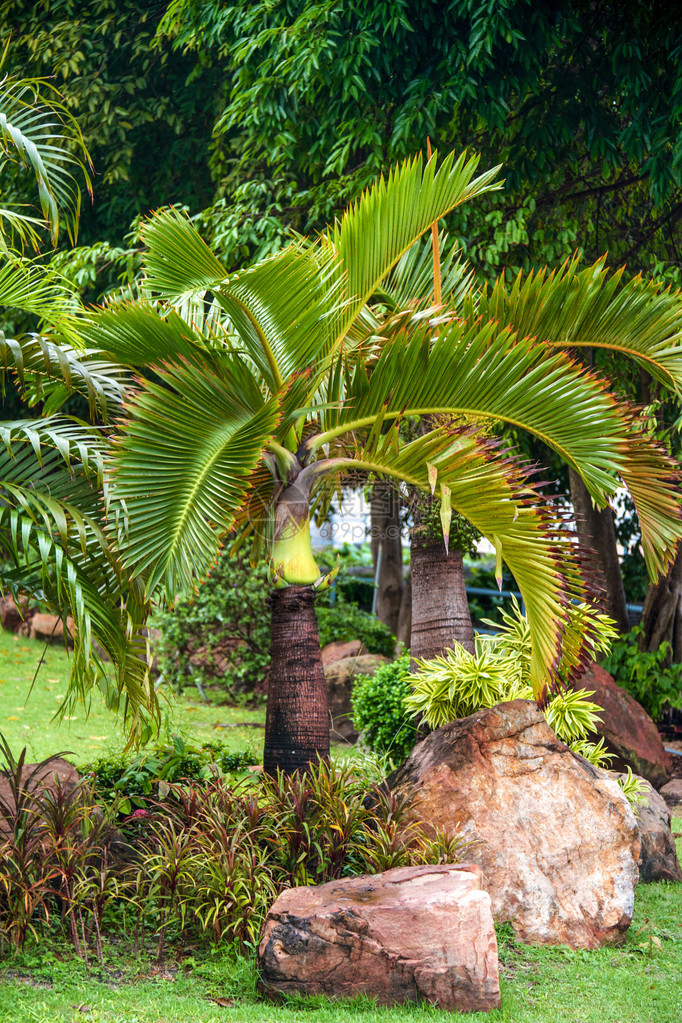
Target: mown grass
[
  {"x": 637, "y": 983},
  {"x": 28, "y": 719}
]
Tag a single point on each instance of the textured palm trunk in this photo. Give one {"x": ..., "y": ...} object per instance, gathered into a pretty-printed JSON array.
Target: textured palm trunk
[
  {"x": 597, "y": 539},
  {"x": 297, "y": 720},
  {"x": 440, "y": 610}
]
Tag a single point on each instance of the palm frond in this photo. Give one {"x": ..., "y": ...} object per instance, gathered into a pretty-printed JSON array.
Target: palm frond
[
  {"x": 178, "y": 263},
  {"x": 49, "y": 371},
  {"x": 139, "y": 333},
  {"x": 51, "y": 534},
  {"x": 183, "y": 469},
  {"x": 594, "y": 308},
  {"x": 395, "y": 212},
  {"x": 491, "y": 490},
  {"x": 37, "y": 130},
  {"x": 38, "y": 289}
]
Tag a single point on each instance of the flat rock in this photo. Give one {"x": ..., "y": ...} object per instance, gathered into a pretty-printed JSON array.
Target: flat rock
[
  {"x": 658, "y": 857},
  {"x": 672, "y": 793},
  {"x": 627, "y": 730},
  {"x": 340, "y": 676},
  {"x": 556, "y": 838},
  {"x": 409, "y": 934}
]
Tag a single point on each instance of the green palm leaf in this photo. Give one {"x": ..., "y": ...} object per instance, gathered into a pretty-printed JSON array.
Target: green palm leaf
[
  {"x": 50, "y": 372},
  {"x": 50, "y": 530},
  {"x": 594, "y": 308},
  {"x": 491, "y": 490},
  {"x": 395, "y": 212},
  {"x": 183, "y": 469},
  {"x": 37, "y": 130}
]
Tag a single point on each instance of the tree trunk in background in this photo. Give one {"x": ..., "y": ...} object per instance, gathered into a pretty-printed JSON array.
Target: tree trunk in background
[
  {"x": 385, "y": 509},
  {"x": 440, "y": 610},
  {"x": 404, "y": 633},
  {"x": 297, "y": 718},
  {"x": 597, "y": 539},
  {"x": 662, "y": 611}
]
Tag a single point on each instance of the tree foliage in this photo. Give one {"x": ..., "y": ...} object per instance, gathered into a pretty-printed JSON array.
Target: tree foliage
[{"x": 580, "y": 101}]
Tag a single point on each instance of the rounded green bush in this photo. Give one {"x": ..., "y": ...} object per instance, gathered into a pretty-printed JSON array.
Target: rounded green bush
[{"x": 379, "y": 710}]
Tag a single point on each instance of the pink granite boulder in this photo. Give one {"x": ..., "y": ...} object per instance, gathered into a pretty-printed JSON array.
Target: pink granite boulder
[{"x": 409, "y": 934}]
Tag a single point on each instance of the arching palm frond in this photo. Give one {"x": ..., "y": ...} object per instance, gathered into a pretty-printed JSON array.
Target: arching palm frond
[
  {"x": 594, "y": 308},
  {"x": 184, "y": 466},
  {"x": 51, "y": 372},
  {"x": 51, "y": 532}
]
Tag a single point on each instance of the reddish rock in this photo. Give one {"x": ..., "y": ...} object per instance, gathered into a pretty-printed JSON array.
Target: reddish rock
[
  {"x": 556, "y": 838},
  {"x": 337, "y": 651},
  {"x": 12, "y": 618},
  {"x": 50, "y": 629},
  {"x": 39, "y": 780},
  {"x": 340, "y": 676},
  {"x": 672, "y": 793},
  {"x": 658, "y": 858},
  {"x": 627, "y": 729},
  {"x": 402, "y": 936}
]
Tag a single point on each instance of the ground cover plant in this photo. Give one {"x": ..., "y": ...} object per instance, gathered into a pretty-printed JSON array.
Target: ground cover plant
[{"x": 198, "y": 859}]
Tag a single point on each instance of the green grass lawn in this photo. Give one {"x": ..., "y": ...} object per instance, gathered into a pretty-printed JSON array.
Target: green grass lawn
[{"x": 29, "y": 720}]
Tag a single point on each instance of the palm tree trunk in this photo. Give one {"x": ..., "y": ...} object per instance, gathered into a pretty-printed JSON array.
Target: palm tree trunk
[
  {"x": 661, "y": 611},
  {"x": 386, "y": 545},
  {"x": 297, "y": 719},
  {"x": 597, "y": 539},
  {"x": 440, "y": 610}
]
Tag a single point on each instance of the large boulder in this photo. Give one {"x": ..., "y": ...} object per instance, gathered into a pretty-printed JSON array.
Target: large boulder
[
  {"x": 555, "y": 836},
  {"x": 402, "y": 936},
  {"x": 50, "y": 629},
  {"x": 628, "y": 731},
  {"x": 340, "y": 676},
  {"x": 658, "y": 856}
]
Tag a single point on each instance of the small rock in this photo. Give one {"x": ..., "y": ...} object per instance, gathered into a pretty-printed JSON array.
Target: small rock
[
  {"x": 658, "y": 858},
  {"x": 555, "y": 836},
  {"x": 337, "y": 651},
  {"x": 627, "y": 729},
  {"x": 405, "y": 935},
  {"x": 672, "y": 793},
  {"x": 340, "y": 676}
]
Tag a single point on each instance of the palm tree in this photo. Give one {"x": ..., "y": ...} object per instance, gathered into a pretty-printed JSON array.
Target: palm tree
[{"x": 261, "y": 393}]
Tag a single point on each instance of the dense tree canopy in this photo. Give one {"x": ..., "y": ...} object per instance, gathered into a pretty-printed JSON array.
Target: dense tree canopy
[{"x": 581, "y": 102}]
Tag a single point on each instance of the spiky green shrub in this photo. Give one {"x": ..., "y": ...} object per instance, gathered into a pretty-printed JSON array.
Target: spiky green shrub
[{"x": 459, "y": 683}]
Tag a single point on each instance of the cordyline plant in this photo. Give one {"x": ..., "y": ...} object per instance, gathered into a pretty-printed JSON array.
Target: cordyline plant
[{"x": 253, "y": 396}]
